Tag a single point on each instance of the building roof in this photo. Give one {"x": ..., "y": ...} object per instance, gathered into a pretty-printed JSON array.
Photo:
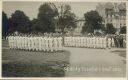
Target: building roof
[
  {"x": 122, "y": 6},
  {"x": 109, "y": 6}
]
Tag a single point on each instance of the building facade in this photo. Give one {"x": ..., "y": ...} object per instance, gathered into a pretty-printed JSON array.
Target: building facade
[
  {"x": 80, "y": 22},
  {"x": 113, "y": 13}
]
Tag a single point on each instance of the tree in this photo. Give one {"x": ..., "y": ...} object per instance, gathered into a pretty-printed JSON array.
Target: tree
[
  {"x": 39, "y": 26},
  {"x": 34, "y": 25},
  {"x": 51, "y": 17},
  {"x": 123, "y": 30},
  {"x": 47, "y": 11},
  {"x": 93, "y": 21},
  {"x": 66, "y": 18},
  {"x": 5, "y": 24},
  {"x": 20, "y": 22},
  {"x": 110, "y": 29},
  {"x": 46, "y": 19}
]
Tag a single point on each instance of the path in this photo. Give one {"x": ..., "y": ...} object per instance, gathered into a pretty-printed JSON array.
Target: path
[{"x": 90, "y": 62}]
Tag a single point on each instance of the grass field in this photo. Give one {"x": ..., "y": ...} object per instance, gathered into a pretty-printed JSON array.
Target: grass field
[{"x": 20, "y": 63}]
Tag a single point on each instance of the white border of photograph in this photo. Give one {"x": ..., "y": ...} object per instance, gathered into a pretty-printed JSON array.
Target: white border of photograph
[{"x": 63, "y": 78}]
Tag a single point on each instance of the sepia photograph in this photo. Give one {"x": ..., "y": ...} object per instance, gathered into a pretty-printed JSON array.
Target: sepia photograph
[{"x": 63, "y": 39}]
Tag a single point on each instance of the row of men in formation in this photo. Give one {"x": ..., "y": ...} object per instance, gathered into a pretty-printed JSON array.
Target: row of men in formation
[
  {"x": 35, "y": 43},
  {"x": 55, "y": 43},
  {"x": 89, "y": 42}
]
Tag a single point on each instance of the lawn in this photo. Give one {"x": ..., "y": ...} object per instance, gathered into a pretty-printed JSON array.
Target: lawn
[
  {"x": 19, "y": 63},
  {"x": 121, "y": 53}
]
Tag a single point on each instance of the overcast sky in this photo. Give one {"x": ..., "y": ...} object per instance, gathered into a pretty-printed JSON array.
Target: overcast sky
[{"x": 31, "y": 8}]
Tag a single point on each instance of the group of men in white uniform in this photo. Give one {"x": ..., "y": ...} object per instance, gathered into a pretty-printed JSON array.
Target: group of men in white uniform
[
  {"x": 54, "y": 43},
  {"x": 89, "y": 42},
  {"x": 35, "y": 43}
]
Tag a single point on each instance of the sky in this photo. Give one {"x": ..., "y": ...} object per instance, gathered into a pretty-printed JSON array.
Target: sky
[{"x": 31, "y": 8}]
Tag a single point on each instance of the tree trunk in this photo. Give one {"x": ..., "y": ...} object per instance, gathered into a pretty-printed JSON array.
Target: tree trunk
[{"x": 63, "y": 38}]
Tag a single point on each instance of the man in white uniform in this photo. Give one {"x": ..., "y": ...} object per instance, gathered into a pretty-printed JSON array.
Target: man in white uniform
[
  {"x": 17, "y": 41},
  {"x": 81, "y": 41},
  {"x": 60, "y": 43},
  {"x": 109, "y": 42},
  {"x": 46, "y": 45},
  {"x": 85, "y": 41},
  {"x": 9, "y": 41},
  {"x": 32, "y": 43},
  {"x": 14, "y": 42},
  {"x": 96, "y": 42},
  {"x": 75, "y": 42},
  {"x": 40, "y": 43},
  {"x": 43, "y": 43},
  {"x": 69, "y": 42},
  {"x": 113, "y": 44},
  {"x": 104, "y": 42},
  {"x": 29, "y": 42},
  {"x": 56, "y": 43},
  {"x": 65, "y": 41},
  {"x": 50, "y": 43},
  {"x": 88, "y": 41},
  {"x": 37, "y": 43},
  {"x": 100, "y": 42},
  {"x": 52, "y": 46},
  {"x": 25, "y": 42},
  {"x": 20, "y": 41}
]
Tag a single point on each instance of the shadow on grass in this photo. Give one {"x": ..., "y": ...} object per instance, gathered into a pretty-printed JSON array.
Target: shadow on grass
[
  {"x": 16, "y": 69},
  {"x": 121, "y": 53}
]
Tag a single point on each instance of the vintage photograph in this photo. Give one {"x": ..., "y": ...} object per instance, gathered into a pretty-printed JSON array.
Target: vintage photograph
[{"x": 63, "y": 39}]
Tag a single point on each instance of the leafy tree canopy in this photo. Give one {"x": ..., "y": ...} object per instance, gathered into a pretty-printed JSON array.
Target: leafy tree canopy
[
  {"x": 93, "y": 21},
  {"x": 5, "y": 24},
  {"x": 20, "y": 21},
  {"x": 123, "y": 30},
  {"x": 46, "y": 18},
  {"x": 66, "y": 18},
  {"x": 47, "y": 11},
  {"x": 110, "y": 29}
]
